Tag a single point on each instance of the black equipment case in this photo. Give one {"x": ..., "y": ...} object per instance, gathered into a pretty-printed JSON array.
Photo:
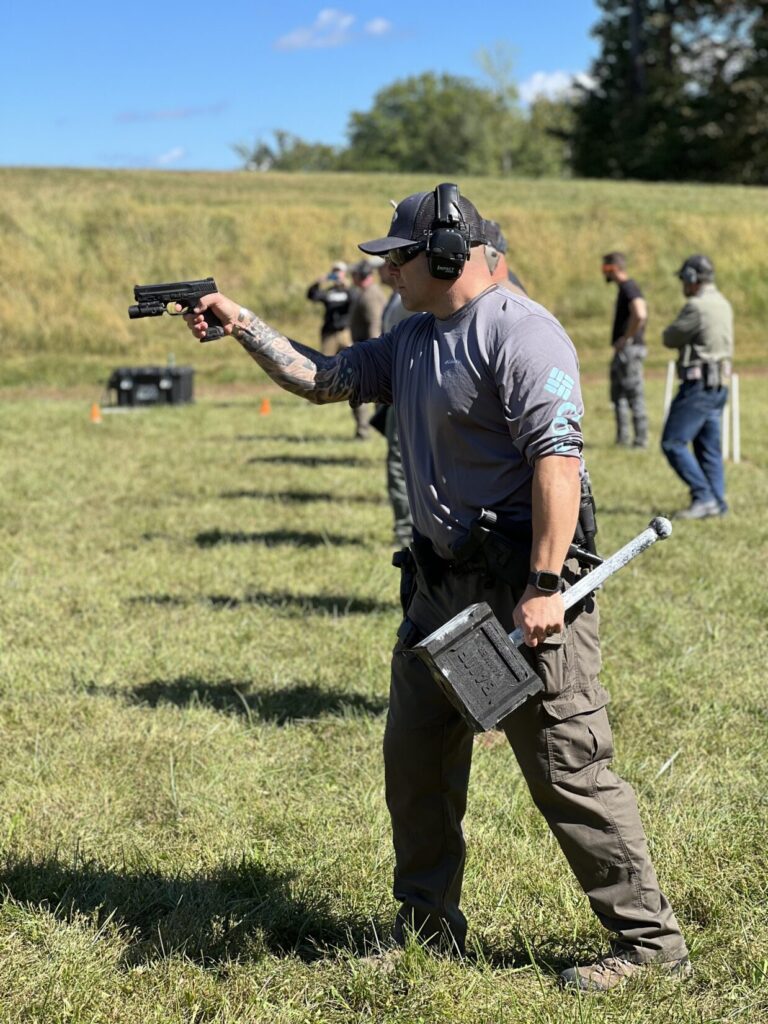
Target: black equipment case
[{"x": 152, "y": 385}]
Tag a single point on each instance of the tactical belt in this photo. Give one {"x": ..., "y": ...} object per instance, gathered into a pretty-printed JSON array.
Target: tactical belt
[
  {"x": 500, "y": 550},
  {"x": 713, "y": 374}
]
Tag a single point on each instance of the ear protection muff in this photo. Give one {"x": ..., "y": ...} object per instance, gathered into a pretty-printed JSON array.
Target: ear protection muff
[
  {"x": 448, "y": 239},
  {"x": 689, "y": 275}
]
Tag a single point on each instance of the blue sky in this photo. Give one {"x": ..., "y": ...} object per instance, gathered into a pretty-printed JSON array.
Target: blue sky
[{"x": 174, "y": 85}]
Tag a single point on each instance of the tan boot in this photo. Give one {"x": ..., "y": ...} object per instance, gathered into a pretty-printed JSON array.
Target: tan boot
[{"x": 611, "y": 971}]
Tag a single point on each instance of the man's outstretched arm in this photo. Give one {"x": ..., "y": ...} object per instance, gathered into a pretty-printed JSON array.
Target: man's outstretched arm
[{"x": 297, "y": 368}]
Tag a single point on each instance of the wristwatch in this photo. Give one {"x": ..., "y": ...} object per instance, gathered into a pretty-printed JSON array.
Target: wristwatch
[{"x": 546, "y": 582}]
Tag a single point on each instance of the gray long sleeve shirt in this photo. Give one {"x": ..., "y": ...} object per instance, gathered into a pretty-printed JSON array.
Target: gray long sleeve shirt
[{"x": 479, "y": 398}]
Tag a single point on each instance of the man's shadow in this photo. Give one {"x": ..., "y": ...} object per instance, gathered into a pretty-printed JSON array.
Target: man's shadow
[
  {"x": 273, "y": 538},
  {"x": 298, "y": 438},
  {"x": 245, "y": 910},
  {"x": 299, "y": 702},
  {"x": 240, "y": 911},
  {"x": 307, "y": 497},
  {"x": 311, "y": 460},
  {"x": 336, "y": 605}
]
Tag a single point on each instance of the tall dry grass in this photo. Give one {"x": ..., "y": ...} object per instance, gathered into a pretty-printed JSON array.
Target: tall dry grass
[{"x": 75, "y": 242}]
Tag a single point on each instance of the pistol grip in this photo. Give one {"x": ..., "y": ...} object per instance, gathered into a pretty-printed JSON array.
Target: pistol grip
[{"x": 215, "y": 328}]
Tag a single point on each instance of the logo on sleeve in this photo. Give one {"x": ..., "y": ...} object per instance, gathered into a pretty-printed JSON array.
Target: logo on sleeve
[{"x": 559, "y": 383}]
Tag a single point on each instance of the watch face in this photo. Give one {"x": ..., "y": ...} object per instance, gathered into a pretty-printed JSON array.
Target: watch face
[{"x": 548, "y": 581}]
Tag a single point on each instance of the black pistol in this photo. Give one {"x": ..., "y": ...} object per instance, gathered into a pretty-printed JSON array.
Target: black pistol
[{"x": 155, "y": 299}]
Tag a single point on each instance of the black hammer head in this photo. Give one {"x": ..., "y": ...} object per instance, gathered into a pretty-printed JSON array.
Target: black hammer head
[{"x": 478, "y": 667}]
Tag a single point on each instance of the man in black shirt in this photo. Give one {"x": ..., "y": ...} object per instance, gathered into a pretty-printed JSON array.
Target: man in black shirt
[
  {"x": 335, "y": 294},
  {"x": 629, "y": 351}
]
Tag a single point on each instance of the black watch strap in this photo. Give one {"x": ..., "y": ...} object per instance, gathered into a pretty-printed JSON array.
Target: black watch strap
[{"x": 545, "y": 581}]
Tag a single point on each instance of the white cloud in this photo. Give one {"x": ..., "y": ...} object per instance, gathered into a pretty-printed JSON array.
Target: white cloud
[
  {"x": 171, "y": 157},
  {"x": 551, "y": 84},
  {"x": 378, "y": 27},
  {"x": 330, "y": 28}
]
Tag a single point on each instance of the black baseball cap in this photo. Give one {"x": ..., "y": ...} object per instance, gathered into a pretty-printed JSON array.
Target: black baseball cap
[
  {"x": 702, "y": 265},
  {"x": 413, "y": 218},
  {"x": 495, "y": 236}
]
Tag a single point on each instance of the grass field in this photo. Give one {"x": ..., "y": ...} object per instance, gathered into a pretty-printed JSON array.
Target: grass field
[
  {"x": 196, "y": 621},
  {"x": 75, "y": 242}
]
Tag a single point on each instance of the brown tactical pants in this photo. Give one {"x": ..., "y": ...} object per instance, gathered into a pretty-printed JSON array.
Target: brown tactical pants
[{"x": 562, "y": 741}]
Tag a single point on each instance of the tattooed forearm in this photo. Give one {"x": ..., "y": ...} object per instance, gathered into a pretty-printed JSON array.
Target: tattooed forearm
[{"x": 295, "y": 367}]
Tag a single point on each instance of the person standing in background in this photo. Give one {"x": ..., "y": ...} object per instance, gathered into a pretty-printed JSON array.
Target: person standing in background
[
  {"x": 334, "y": 293},
  {"x": 629, "y": 351},
  {"x": 394, "y": 312},
  {"x": 702, "y": 333},
  {"x": 496, "y": 248},
  {"x": 368, "y": 302}
]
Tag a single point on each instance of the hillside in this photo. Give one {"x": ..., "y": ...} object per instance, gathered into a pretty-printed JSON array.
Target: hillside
[{"x": 76, "y": 241}]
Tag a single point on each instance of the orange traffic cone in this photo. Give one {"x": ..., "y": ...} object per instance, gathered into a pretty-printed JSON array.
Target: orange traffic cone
[
  {"x": 95, "y": 413},
  {"x": 266, "y": 408}
]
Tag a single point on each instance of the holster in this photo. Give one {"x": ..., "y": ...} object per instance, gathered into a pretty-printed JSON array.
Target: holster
[
  {"x": 493, "y": 550},
  {"x": 713, "y": 376},
  {"x": 404, "y": 561},
  {"x": 586, "y": 525}
]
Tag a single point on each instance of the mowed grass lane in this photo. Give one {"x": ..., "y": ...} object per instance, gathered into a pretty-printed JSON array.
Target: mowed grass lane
[{"x": 196, "y": 622}]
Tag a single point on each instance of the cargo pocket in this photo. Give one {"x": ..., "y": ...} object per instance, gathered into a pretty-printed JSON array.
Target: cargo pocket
[
  {"x": 576, "y": 743},
  {"x": 555, "y": 661}
]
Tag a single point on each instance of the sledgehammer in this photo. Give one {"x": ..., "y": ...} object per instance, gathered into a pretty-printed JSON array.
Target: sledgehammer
[{"x": 477, "y": 663}]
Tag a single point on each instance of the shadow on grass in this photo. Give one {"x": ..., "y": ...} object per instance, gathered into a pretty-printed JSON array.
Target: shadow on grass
[
  {"x": 518, "y": 956},
  {"x": 298, "y": 702},
  {"x": 300, "y": 438},
  {"x": 306, "y": 497},
  {"x": 336, "y": 605},
  {"x": 237, "y": 912},
  {"x": 272, "y": 538},
  {"x": 314, "y": 460},
  {"x": 240, "y": 912}
]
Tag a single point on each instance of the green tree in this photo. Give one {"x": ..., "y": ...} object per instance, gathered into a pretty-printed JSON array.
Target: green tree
[
  {"x": 437, "y": 124},
  {"x": 288, "y": 153},
  {"x": 539, "y": 143},
  {"x": 680, "y": 92},
  {"x": 440, "y": 124}
]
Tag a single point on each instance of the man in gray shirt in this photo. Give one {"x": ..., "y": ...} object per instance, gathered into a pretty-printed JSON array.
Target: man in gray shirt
[{"x": 486, "y": 391}]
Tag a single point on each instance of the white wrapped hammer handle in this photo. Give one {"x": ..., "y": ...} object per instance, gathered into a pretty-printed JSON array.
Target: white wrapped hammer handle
[{"x": 658, "y": 529}]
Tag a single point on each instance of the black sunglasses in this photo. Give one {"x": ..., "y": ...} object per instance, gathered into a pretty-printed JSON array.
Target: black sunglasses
[{"x": 399, "y": 257}]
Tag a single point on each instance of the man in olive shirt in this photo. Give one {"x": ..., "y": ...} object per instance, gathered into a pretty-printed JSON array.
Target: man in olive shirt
[
  {"x": 702, "y": 334},
  {"x": 368, "y": 302}
]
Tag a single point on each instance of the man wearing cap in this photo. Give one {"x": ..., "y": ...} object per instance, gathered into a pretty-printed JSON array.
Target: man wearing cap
[
  {"x": 629, "y": 351},
  {"x": 496, "y": 257},
  {"x": 702, "y": 334},
  {"x": 485, "y": 387},
  {"x": 334, "y": 293},
  {"x": 368, "y": 302}
]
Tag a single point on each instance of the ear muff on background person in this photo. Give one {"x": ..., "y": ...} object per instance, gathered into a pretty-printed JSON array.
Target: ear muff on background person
[{"x": 697, "y": 269}]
